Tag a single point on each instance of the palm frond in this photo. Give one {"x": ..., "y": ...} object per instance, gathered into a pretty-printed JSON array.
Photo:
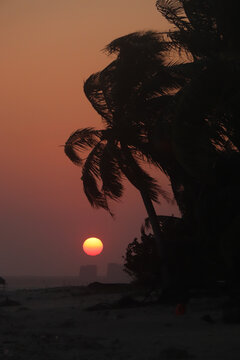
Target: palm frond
[
  {"x": 197, "y": 44},
  {"x": 110, "y": 174},
  {"x": 138, "y": 177},
  {"x": 163, "y": 82},
  {"x": 93, "y": 88},
  {"x": 109, "y": 82},
  {"x": 139, "y": 56},
  {"x": 81, "y": 140},
  {"x": 173, "y": 11},
  {"x": 90, "y": 177},
  {"x": 148, "y": 154},
  {"x": 201, "y": 14},
  {"x": 147, "y": 43}
]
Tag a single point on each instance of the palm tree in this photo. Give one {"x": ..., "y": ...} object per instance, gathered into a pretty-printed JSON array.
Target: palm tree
[
  {"x": 124, "y": 94},
  {"x": 134, "y": 94},
  {"x": 139, "y": 87}
]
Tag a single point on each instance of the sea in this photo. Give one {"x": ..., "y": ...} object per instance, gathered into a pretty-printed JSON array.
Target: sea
[
  {"x": 41, "y": 282},
  {"x": 44, "y": 282}
]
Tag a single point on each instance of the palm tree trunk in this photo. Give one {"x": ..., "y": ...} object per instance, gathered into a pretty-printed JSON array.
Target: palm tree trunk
[
  {"x": 154, "y": 222},
  {"x": 129, "y": 170},
  {"x": 161, "y": 249}
]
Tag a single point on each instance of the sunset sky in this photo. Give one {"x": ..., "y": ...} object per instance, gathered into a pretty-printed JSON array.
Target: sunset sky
[{"x": 48, "y": 48}]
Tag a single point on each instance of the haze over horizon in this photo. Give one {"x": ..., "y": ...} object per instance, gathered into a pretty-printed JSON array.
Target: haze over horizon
[{"x": 48, "y": 48}]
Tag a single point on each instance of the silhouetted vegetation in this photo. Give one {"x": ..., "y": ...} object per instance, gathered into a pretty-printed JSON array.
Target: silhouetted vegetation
[
  {"x": 205, "y": 126},
  {"x": 172, "y": 99},
  {"x": 142, "y": 263}
]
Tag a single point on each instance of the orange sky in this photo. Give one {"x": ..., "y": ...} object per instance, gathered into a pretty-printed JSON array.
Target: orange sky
[{"x": 48, "y": 48}]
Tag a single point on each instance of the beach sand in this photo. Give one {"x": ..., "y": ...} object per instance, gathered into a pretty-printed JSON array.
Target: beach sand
[{"x": 55, "y": 324}]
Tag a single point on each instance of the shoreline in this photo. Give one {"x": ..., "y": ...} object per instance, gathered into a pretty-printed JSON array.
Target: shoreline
[{"x": 57, "y": 323}]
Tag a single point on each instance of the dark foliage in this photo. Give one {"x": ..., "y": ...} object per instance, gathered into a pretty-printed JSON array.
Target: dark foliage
[
  {"x": 205, "y": 132},
  {"x": 142, "y": 262}
]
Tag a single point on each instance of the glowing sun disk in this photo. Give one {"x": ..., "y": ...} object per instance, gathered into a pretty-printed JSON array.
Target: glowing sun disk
[{"x": 92, "y": 246}]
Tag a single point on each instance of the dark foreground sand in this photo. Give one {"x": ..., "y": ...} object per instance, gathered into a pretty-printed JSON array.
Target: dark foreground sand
[{"x": 54, "y": 324}]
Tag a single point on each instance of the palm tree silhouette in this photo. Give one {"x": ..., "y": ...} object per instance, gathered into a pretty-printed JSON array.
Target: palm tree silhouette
[
  {"x": 141, "y": 87},
  {"x": 125, "y": 95}
]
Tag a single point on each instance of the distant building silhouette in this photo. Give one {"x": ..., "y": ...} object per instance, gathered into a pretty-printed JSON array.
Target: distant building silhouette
[{"x": 88, "y": 273}]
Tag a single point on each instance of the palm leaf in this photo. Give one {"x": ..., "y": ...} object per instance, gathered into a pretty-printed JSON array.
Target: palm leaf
[
  {"x": 90, "y": 177},
  {"x": 137, "y": 176},
  {"x": 93, "y": 89},
  {"x": 110, "y": 174},
  {"x": 148, "y": 44},
  {"x": 140, "y": 55},
  {"x": 173, "y": 11},
  {"x": 202, "y": 14},
  {"x": 79, "y": 141}
]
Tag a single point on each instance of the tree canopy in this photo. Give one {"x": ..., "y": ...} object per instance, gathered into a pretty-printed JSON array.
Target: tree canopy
[{"x": 180, "y": 115}]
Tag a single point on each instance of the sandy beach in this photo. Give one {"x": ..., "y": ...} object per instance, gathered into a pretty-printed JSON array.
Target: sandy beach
[{"x": 76, "y": 323}]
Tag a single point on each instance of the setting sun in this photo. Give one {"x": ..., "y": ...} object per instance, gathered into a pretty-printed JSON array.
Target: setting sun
[{"x": 92, "y": 246}]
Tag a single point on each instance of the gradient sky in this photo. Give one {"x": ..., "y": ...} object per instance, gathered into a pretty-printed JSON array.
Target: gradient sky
[{"x": 48, "y": 48}]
